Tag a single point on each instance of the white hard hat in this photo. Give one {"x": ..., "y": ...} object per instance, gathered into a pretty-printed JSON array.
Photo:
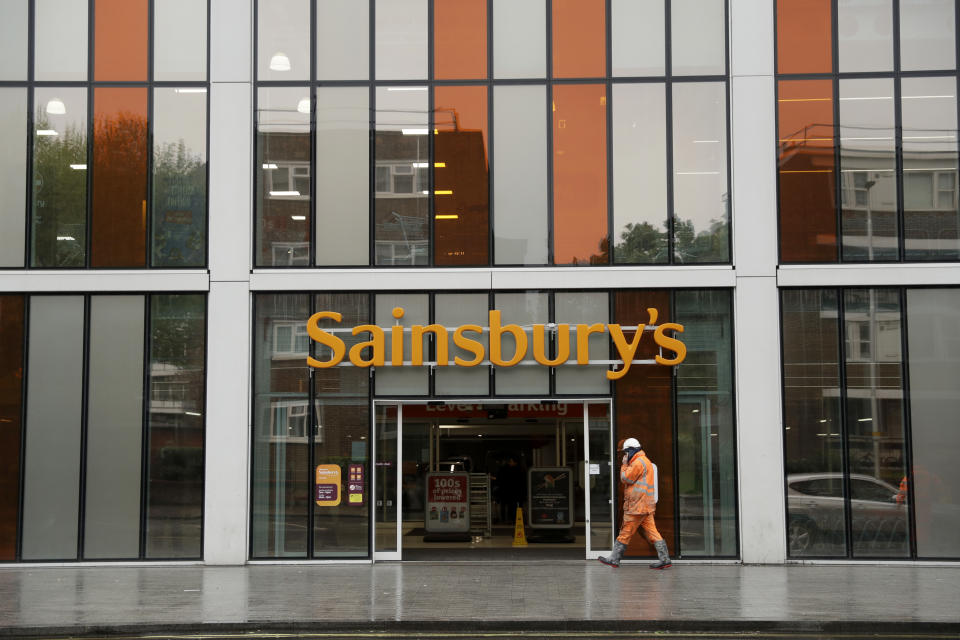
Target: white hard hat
[{"x": 631, "y": 443}]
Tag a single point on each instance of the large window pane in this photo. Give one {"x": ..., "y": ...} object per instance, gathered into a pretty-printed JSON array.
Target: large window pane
[
  {"x": 580, "y": 174},
  {"x": 343, "y": 176},
  {"x": 13, "y": 41},
  {"x": 812, "y": 423},
  {"x": 51, "y": 493},
  {"x": 933, "y": 318},
  {"x": 804, "y": 43},
  {"x": 705, "y": 428},
  {"x": 283, "y": 176},
  {"x": 700, "y": 197},
  {"x": 401, "y": 41},
  {"x": 927, "y": 35},
  {"x": 341, "y": 435},
  {"x": 877, "y": 463},
  {"x": 644, "y": 406},
  {"x": 865, "y": 35},
  {"x": 120, "y": 40},
  {"x": 406, "y": 379},
  {"x": 281, "y": 477},
  {"x": 460, "y": 39},
  {"x": 343, "y": 40},
  {"x": 637, "y": 32},
  {"x": 931, "y": 222},
  {"x": 59, "y": 205},
  {"x": 639, "y": 174},
  {"x": 111, "y": 526},
  {"x": 808, "y": 219},
  {"x": 583, "y": 308},
  {"x": 461, "y": 176},
  {"x": 118, "y": 220},
  {"x": 175, "y": 428},
  {"x": 179, "y": 177},
  {"x": 698, "y": 30},
  {"x": 402, "y": 202},
  {"x": 179, "y": 40},
  {"x": 519, "y": 39},
  {"x": 868, "y": 170},
  {"x": 455, "y": 310},
  {"x": 523, "y": 310},
  {"x": 13, "y": 166},
  {"x": 283, "y": 40},
  {"x": 520, "y": 175},
  {"x": 60, "y": 45},
  {"x": 11, "y": 396},
  {"x": 579, "y": 38}
]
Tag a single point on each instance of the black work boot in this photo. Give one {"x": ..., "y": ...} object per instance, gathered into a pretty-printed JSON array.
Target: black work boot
[
  {"x": 613, "y": 559},
  {"x": 663, "y": 558}
]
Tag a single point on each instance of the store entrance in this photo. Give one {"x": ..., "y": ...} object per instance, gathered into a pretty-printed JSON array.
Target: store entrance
[{"x": 449, "y": 478}]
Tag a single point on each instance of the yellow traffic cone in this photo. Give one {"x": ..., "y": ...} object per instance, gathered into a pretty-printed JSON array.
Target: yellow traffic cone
[{"x": 519, "y": 537}]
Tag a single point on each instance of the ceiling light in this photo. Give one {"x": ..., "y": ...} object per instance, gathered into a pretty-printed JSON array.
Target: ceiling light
[
  {"x": 47, "y": 132},
  {"x": 78, "y": 167},
  {"x": 194, "y": 90},
  {"x": 269, "y": 165},
  {"x": 284, "y": 193},
  {"x": 415, "y": 132},
  {"x": 447, "y": 216},
  {"x": 55, "y": 107},
  {"x": 280, "y": 62},
  {"x": 304, "y": 105},
  {"x": 298, "y": 218},
  {"x": 442, "y": 192},
  {"x": 66, "y": 238},
  {"x": 191, "y": 413}
]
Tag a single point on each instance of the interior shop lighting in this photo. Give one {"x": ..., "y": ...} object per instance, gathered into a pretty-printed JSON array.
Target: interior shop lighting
[
  {"x": 269, "y": 165},
  {"x": 78, "y": 167},
  {"x": 298, "y": 218},
  {"x": 71, "y": 238},
  {"x": 447, "y": 216},
  {"x": 47, "y": 132},
  {"x": 193, "y": 90},
  {"x": 304, "y": 105},
  {"x": 280, "y": 62},
  {"x": 419, "y": 131},
  {"x": 55, "y": 107},
  {"x": 865, "y": 420},
  {"x": 424, "y": 165},
  {"x": 192, "y": 413},
  {"x": 284, "y": 193},
  {"x": 442, "y": 192}
]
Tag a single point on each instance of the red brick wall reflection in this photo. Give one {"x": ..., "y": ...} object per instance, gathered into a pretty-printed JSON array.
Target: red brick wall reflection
[{"x": 644, "y": 406}]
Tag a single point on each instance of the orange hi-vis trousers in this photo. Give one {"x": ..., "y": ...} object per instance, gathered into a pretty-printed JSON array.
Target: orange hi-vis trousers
[{"x": 631, "y": 523}]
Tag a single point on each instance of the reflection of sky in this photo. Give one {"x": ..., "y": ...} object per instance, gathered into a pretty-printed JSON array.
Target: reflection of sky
[
  {"x": 180, "y": 116},
  {"x": 699, "y": 152}
]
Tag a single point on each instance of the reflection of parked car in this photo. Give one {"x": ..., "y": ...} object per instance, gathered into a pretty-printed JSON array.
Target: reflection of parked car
[{"x": 815, "y": 504}]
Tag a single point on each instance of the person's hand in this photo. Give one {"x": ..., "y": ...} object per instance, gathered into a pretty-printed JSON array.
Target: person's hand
[{"x": 624, "y": 459}]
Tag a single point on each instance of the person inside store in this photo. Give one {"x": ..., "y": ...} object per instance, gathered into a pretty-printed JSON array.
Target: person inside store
[
  {"x": 639, "y": 478},
  {"x": 510, "y": 486}
]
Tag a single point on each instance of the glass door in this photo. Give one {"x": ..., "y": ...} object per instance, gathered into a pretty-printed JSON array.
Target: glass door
[
  {"x": 600, "y": 478},
  {"x": 386, "y": 486}
]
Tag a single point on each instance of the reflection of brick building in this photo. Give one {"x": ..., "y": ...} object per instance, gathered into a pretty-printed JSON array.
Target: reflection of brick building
[{"x": 283, "y": 191}]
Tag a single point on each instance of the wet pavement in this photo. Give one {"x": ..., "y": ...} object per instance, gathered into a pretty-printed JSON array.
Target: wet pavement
[{"x": 581, "y": 599}]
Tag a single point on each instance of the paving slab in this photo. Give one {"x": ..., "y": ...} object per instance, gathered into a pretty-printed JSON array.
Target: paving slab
[{"x": 568, "y": 595}]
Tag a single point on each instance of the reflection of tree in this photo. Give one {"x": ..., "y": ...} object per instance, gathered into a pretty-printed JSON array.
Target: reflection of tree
[
  {"x": 60, "y": 197},
  {"x": 179, "y": 189},
  {"x": 643, "y": 243}
]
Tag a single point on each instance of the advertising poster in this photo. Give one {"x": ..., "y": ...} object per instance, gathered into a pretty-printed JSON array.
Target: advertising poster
[
  {"x": 551, "y": 498},
  {"x": 448, "y": 503},
  {"x": 328, "y": 485}
]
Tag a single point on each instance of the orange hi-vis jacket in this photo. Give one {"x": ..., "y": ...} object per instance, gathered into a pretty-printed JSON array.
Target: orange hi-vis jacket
[{"x": 639, "y": 491}]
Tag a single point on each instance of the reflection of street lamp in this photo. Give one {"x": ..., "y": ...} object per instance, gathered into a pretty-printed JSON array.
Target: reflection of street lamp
[{"x": 868, "y": 185}]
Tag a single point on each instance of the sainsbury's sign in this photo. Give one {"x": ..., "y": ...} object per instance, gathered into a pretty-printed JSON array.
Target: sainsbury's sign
[{"x": 373, "y": 352}]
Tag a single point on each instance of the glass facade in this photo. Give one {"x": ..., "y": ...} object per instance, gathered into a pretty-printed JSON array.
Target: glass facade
[
  {"x": 115, "y": 131},
  {"x": 867, "y": 165},
  {"x": 492, "y": 126},
  {"x": 125, "y": 434},
  {"x": 306, "y": 418},
  {"x": 864, "y": 396}
]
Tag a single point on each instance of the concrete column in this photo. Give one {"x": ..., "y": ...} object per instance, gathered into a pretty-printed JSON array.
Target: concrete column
[
  {"x": 226, "y": 514},
  {"x": 756, "y": 305}
]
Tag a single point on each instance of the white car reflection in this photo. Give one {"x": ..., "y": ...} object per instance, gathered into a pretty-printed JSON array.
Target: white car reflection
[{"x": 817, "y": 520}]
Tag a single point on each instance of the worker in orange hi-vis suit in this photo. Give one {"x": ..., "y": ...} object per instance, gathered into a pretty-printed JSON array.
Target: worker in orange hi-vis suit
[{"x": 639, "y": 477}]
